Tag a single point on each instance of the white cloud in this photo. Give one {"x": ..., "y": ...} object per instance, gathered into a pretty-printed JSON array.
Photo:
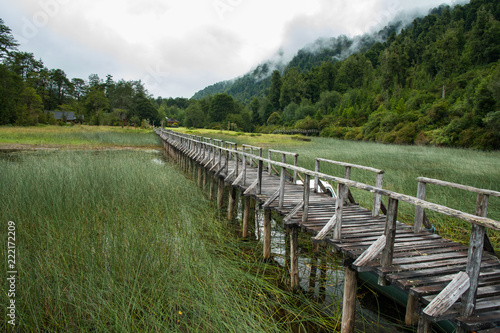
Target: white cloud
[{"x": 179, "y": 47}]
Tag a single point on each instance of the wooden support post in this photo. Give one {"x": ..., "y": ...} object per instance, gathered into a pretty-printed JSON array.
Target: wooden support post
[
  {"x": 244, "y": 180},
  {"x": 419, "y": 211},
  {"x": 339, "y": 208},
  {"x": 246, "y": 217},
  {"x": 236, "y": 161},
  {"x": 322, "y": 278},
  {"x": 267, "y": 233},
  {"x": 294, "y": 259},
  {"x": 390, "y": 234},
  {"x": 211, "y": 190},
  {"x": 307, "y": 191},
  {"x": 253, "y": 211},
  {"x": 347, "y": 175},
  {"x": 316, "y": 178},
  {"x": 312, "y": 275},
  {"x": 475, "y": 255},
  {"x": 269, "y": 166},
  {"x": 200, "y": 175},
  {"x": 220, "y": 194},
  {"x": 232, "y": 203},
  {"x": 295, "y": 163},
  {"x": 349, "y": 303},
  {"x": 411, "y": 317},
  {"x": 282, "y": 185},
  {"x": 378, "y": 198},
  {"x": 259, "y": 177},
  {"x": 424, "y": 326},
  {"x": 205, "y": 175}
]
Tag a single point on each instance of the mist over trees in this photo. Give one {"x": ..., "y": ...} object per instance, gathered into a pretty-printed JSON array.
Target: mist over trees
[
  {"x": 28, "y": 89},
  {"x": 434, "y": 81}
]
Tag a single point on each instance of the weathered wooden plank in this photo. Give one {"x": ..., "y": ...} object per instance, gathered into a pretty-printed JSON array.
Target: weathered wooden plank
[
  {"x": 425, "y": 271},
  {"x": 475, "y": 255},
  {"x": 486, "y": 275},
  {"x": 480, "y": 321},
  {"x": 459, "y": 186},
  {"x": 251, "y": 187},
  {"x": 427, "y": 291},
  {"x": 453, "y": 291},
  {"x": 294, "y": 211},
  {"x": 372, "y": 252},
  {"x": 271, "y": 199}
]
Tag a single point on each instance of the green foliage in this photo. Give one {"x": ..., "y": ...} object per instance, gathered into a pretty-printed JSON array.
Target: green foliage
[
  {"x": 307, "y": 123},
  {"x": 436, "y": 82},
  {"x": 274, "y": 118}
]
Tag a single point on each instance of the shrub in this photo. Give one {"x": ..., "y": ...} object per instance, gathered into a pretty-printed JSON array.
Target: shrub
[
  {"x": 307, "y": 124},
  {"x": 407, "y": 134}
]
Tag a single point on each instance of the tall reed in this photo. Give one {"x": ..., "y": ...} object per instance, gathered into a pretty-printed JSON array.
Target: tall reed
[{"x": 111, "y": 241}]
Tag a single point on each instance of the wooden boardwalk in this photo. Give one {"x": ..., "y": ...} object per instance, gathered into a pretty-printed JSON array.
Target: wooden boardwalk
[{"x": 418, "y": 262}]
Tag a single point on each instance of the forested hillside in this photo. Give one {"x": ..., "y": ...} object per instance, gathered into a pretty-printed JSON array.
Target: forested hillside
[
  {"x": 437, "y": 82},
  {"x": 28, "y": 89}
]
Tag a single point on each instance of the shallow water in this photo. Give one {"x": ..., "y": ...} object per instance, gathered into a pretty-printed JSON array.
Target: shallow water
[{"x": 322, "y": 277}]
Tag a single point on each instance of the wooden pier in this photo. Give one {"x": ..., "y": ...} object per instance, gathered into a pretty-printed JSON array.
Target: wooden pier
[{"x": 444, "y": 280}]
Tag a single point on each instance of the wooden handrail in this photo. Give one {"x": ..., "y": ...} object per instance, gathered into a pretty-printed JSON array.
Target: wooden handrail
[
  {"x": 356, "y": 166},
  {"x": 377, "y": 203},
  {"x": 486, "y": 222},
  {"x": 458, "y": 186}
]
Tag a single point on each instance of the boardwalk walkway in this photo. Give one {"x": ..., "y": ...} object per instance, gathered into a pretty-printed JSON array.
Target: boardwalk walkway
[{"x": 444, "y": 280}]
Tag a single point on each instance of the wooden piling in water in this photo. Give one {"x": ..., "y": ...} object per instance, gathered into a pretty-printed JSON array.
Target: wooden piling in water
[
  {"x": 232, "y": 203},
  {"x": 246, "y": 217},
  {"x": 220, "y": 193},
  {"x": 267, "y": 233},
  {"x": 349, "y": 302},
  {"x": 294, "y": 258},
  {"x": 211, "y": 190},
  {"x": 411, "y": 317},
  {"x": 200, "y": 175}
]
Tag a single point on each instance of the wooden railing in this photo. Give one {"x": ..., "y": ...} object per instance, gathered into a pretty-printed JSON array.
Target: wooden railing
[
  {"x": 377, "y": 203},
  {"x": 385, "y": 244}
]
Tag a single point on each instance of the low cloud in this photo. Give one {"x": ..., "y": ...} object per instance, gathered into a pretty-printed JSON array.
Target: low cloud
[{"x": 177, "y": 47}]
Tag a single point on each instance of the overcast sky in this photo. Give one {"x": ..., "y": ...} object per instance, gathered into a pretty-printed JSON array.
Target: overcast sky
[{"x": 179, "y": 47}]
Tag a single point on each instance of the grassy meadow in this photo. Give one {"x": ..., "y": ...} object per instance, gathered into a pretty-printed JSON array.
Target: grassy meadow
[
  {"x": 402, "y": 165},
  {"x": 78, "y": 136},
  {"x": 116, "y": 241}
]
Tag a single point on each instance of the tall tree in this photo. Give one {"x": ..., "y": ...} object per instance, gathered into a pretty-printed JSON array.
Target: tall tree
[
  {"x": 275, "y": 90},
  {"x": 24, "y": 64},
  {"x": 293, "y": 88},
  {"x": 7, "y": 41},
  {"x": 61, "y": 84},
  {"x": 221, "y": 106}
]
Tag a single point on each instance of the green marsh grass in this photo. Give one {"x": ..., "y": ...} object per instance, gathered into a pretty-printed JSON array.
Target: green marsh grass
[
  {"x": 108, "y": 241},
  {"x": 79, "y": 136},
  {"x": 402, "y": 165}
]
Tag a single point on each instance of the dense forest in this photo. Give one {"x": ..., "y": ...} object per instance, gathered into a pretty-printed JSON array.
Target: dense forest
[
  {"x": 28, "y": 90},
  {"x": 433, "y": 81}
]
